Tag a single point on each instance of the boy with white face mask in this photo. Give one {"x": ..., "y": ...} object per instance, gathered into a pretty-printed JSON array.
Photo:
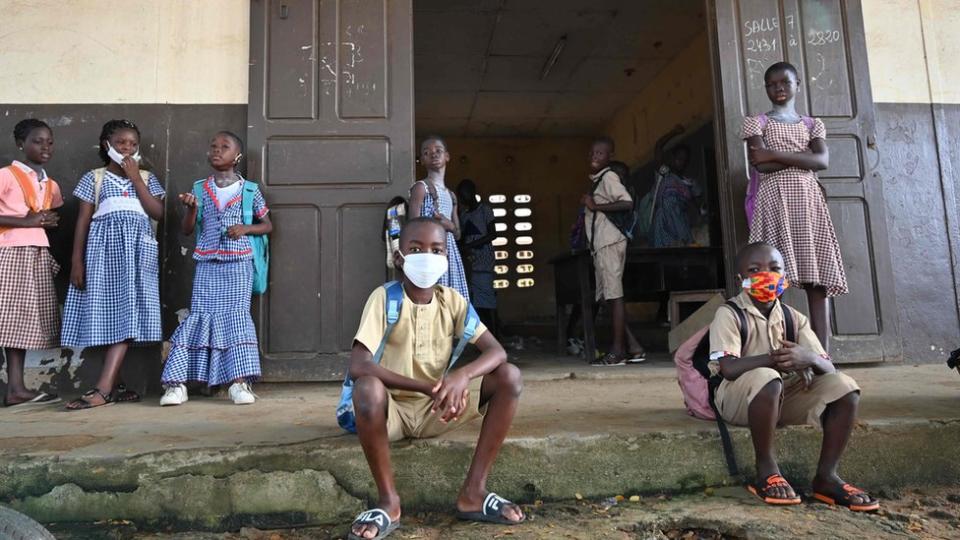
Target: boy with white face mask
[{"x": 408, "y": 394}]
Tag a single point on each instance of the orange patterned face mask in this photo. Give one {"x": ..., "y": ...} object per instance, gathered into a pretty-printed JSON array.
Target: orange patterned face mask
[{"x": 765, "y": 286}]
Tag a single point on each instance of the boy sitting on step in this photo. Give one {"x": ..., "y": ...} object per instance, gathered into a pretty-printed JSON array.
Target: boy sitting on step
[
  {"x": 769, "y": 381},
  {"x": 410, "y": 393}
]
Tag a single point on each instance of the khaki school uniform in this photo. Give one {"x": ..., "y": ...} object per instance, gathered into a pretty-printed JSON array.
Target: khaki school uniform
[
  {"x": 419, "y": 347},
  {"x": 608, "y": 244},
  {"x": 799, "y": 406}
]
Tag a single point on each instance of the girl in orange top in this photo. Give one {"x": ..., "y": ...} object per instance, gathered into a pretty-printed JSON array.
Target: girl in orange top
[{"x": 29, "y": 316}]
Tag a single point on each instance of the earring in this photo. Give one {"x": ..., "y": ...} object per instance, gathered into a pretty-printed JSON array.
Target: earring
[{"x": 236, "y": 161}]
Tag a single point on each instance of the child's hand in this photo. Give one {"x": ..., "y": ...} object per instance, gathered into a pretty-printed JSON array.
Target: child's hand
[
  {"x": 76, "y": 275},
  {"x": 791, "y": 357},
  {"x": 446, "y": 223},
  {"x": 759, "y": 156},
  {"x": 47, "y": 219},
  {"x": 587, "y": 200},
  {"x": 131, "y": 168},
  {"x": 450, "y": 396},
  {"x": 807, "y": 376},
  {"x": 188, "y": 199},
  {"x": 237, "y": 232}
]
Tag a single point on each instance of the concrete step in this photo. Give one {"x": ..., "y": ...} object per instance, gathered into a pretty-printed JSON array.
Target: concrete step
[{"x": 591, "y": 431}]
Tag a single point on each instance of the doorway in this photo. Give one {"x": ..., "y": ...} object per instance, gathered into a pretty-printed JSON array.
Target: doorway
[{"x": 519, "y": 90}]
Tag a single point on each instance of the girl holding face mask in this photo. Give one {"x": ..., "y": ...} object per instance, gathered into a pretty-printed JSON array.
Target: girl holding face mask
[{"x": 114, "y": 297}]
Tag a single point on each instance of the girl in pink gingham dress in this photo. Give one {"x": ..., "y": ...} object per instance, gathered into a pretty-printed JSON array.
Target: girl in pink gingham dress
[{"x": 791, "y": 210}]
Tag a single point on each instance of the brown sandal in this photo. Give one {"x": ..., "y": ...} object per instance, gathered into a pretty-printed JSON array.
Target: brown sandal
[
  {"x": 124, "y": 395},
  {"x": 83, "y": 403}
]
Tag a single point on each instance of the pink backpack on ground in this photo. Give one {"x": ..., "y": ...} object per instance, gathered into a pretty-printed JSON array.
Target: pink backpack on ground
[
  {"x": 750, "y": 203},
  {"x": 695, "y": 389}
]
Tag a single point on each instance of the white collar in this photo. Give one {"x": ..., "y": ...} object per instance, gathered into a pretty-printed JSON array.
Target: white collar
[{"x": 29, "y": 170}]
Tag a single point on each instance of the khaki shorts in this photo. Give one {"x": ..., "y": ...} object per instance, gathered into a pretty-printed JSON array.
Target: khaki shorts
[
  {"x": 608, "y": 263},
  {"x": 799, "y": 406},
  {"x": 412, "y": 419}
]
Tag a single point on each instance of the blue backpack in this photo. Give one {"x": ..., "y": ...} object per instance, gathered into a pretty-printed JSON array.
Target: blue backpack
[
  {"x": 394, "y": 302},
  {"x": 260, "y": 243}
]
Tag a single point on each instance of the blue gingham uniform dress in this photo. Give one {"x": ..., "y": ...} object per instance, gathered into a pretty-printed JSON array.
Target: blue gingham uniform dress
[
  {"x": 455, "y": 277},
  {"x": 121, "y": 297},
  {"x": 217, "y": 342}
]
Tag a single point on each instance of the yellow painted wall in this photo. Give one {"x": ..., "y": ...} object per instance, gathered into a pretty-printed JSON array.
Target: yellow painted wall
[
  {"x": 135, "y": 51},
  {"x": 681, "y": 93},
  {"x": 911, "y": 48},
  {"x": 554, "y": 172}
]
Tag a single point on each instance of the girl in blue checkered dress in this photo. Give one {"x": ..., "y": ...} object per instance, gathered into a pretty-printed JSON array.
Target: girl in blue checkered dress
[
  {"x": 114, "y": 297},
  {"x": 217, "y": 343},
  {"x": 431, "y": 198}
]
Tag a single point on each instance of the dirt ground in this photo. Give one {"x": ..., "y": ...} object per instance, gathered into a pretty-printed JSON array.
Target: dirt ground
[{"x": 723, "y": 513}]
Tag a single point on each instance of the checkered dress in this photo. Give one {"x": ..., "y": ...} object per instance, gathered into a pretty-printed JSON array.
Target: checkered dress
[
  {"x": 121, "y": 297},
  {"x": 29, "y": 314},
  {"x": 217, "y": 342},
  {"x": 791, "y": 211},
  {"x": 455, "y": 277}
]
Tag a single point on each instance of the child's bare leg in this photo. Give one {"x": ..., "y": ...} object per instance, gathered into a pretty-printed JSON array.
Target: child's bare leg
[
  {"x": 819, "y": 314},
  {"x": 500, "y": 390},
  {"x": 16, "y": 391},
  {"x": 618, "y": 313},
  {"x": 370, "y": 408},
  {"x": 763, "y": 414},
  {"x": 108, "y": 375},
  {"x": 837, "y": 420}
]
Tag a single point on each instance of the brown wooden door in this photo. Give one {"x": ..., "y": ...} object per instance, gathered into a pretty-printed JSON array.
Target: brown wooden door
[
  {"x": 331, "y": 137},
  {"x": 825, "y": 40}
]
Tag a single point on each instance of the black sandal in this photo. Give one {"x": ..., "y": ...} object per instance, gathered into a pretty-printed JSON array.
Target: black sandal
[
  {"x": 123, "y": 395},
  {"x": 82, "y": 403}
]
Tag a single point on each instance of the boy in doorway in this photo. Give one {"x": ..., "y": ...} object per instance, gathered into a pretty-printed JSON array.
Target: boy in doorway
[
  {"x": 410, "y": 394},
  {"x": 769, "y": 381},
  {"x": 609, "y": 248}
]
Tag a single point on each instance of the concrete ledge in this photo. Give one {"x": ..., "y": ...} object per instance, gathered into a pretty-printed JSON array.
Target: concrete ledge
[
  {"x": 325, "y": 482},
  {"x": 318, "y": 475}
]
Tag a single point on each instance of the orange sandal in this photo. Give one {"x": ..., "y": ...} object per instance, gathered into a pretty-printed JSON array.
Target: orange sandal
[
  {"x": 845, "y": 499},
  {"x": 774, "y": 481}
]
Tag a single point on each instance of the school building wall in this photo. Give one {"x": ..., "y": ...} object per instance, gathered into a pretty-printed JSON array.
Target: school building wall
[
  {"x": 179, "y": 69},
  {"x": 912, "y": 48}
]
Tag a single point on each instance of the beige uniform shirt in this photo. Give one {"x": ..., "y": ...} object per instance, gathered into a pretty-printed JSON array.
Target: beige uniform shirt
[
  {"x": 763, "y": 335},
  {"x": 420, "y": 344},
  {"x": 610, "y": 190}
]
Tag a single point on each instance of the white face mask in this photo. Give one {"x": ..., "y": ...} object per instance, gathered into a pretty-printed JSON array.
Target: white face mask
[{"x": 424, "y": 269}]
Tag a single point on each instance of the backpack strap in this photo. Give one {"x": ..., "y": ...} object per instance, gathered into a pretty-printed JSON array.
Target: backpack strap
[
  {"x": 762, "y": 119},
  {"x": 470, "y": 323},
  {"x": 741, "y": 320},
  {"x": 790, "y": 329},
  {"x": 725, "y": 441},
  {"x": 392, "y": 305},
  {"x": 246, "y": 202}
]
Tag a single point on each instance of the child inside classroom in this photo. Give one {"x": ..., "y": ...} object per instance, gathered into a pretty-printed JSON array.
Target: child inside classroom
[
  {"x": 768, "y": 381},
  {"x": 431, "y": 198},
  {"x": 791, "y": 212},
  {"x": 114, "y": 297},
  {"x": 29, "y": 314},
  {"x": 479, "y": 230},
  {"x": 609, "y": 248},
  {"x": 414, "y": 392},
  {"x": 217, "y": 343}
]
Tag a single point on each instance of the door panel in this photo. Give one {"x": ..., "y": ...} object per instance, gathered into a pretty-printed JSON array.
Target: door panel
[
  {"x": 331, "y": 138},
  {"x": 824, "y": 40}
]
